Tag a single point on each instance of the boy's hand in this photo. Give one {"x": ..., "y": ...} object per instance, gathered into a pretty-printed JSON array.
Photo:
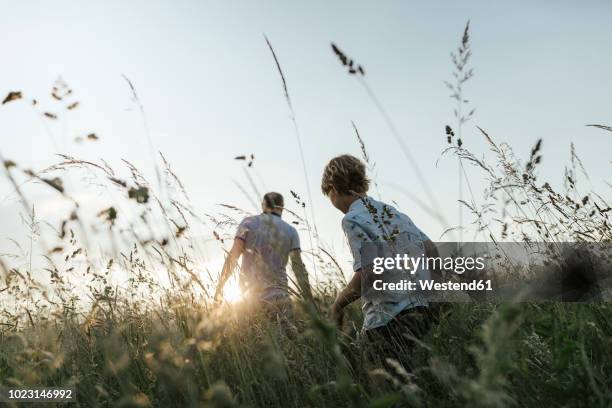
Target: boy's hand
[
  {"x": 347, "y": 296},
  {"x": 337, "y": 314}
]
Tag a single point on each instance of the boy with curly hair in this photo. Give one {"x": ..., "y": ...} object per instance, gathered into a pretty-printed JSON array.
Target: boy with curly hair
[{"x": 388, "y": 315}]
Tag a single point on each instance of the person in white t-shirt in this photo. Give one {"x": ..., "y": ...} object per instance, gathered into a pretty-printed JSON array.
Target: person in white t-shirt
[{"x": 266, "y": 243}]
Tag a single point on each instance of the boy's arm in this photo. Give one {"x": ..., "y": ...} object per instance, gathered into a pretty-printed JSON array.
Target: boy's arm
[
  {"x": 301, "y": 275},
  {"x": 348, "y": 295},
  {"x": 356, "y": 236},
  {"x": 229, "y": 265}
]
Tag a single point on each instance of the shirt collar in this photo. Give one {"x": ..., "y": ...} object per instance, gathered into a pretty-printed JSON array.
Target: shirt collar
[{"x": 358, "y": 203}]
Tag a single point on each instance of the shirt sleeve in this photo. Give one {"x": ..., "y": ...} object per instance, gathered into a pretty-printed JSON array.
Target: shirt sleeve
[
  {"x": 295, "y": 239},
  {"x": 243, "y": 229},
  {"x": 356, "y": 236}
]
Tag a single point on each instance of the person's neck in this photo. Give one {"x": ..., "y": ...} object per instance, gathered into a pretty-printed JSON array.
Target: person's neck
[
  {"x": 273, "y": 212},
  {"x": 351, "y": 199}
]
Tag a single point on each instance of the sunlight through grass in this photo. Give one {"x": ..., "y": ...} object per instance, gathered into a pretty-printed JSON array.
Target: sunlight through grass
[{"x": 232, "y": 292}]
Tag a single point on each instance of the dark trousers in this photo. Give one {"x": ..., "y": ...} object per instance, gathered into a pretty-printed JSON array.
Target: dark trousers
[
  {"x": 280, "y": 311},
  {"x": 395, "y": 340}
]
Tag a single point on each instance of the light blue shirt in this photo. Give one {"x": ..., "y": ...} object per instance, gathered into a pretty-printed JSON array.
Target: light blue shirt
[{"x": 369, "y": 220}]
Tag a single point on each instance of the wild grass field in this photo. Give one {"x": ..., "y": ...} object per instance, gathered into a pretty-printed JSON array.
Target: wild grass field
[{"x": 163, "y": 341}]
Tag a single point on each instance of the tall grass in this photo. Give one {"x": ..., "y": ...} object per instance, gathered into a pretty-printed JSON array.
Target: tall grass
[
  {"x": 461, "y": 74},
  {"x": 133, "y": 324},
  {"x": 358, "y": 71}
]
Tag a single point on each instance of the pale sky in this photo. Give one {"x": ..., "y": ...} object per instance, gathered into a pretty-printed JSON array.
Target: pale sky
[{"x": 210, "y": 91}]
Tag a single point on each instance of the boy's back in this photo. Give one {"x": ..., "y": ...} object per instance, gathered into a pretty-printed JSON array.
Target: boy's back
[{"x": 369, "y": 220}]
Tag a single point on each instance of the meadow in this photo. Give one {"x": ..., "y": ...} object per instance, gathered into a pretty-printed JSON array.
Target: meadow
[{"x": 162, "y": 341}]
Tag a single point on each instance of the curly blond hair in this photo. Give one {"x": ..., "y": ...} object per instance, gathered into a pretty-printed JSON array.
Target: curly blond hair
[{"x": 346, "y": 175}]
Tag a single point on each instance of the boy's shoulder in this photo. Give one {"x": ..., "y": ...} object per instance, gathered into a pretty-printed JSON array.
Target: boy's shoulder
[
  {"x": 354, "y": 214},
  {"x": 366, "y": 208},
  {"x": 360, "y": 214}
]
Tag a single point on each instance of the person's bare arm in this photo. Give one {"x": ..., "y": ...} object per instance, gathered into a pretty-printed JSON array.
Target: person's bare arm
[
  {"x": 348, "y": 295},
  {"x": 229, "y": 265},
  {"x": 301, "y": 275}
]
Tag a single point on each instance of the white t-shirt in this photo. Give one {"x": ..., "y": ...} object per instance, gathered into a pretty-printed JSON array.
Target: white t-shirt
[{"x": 267, "y": 241}]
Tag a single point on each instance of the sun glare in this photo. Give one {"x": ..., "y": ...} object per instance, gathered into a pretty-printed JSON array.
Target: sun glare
[{"x": 232, "y": 292}]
